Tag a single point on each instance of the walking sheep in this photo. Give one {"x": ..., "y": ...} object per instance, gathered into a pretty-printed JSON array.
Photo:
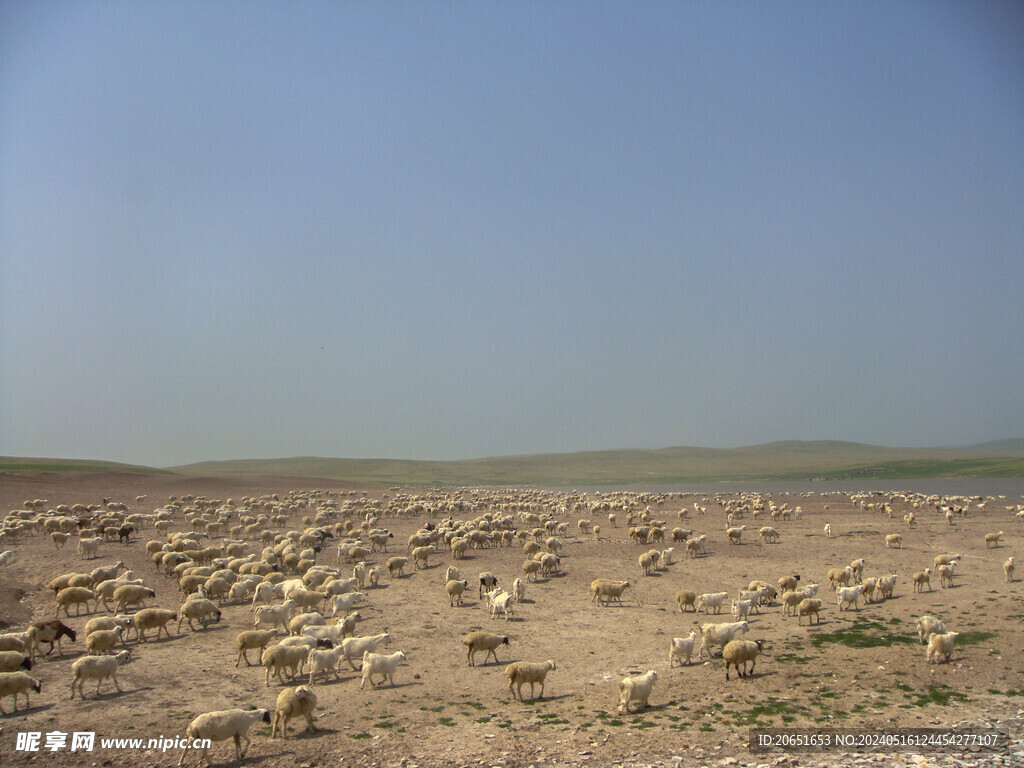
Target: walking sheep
[
  {"x": 520, "y": 672},
  {"x": 293, "y": 702},
  {"x": 737, "y": 652},
  {"x": 222, "y": 725},
  {"x": 636, "y": 689}
]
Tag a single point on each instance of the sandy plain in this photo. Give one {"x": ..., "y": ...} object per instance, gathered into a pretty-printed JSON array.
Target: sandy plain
[{"x": 862, "y": 669}]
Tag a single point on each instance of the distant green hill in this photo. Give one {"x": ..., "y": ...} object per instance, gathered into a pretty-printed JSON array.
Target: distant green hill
[{"x": 786, "y": 460}]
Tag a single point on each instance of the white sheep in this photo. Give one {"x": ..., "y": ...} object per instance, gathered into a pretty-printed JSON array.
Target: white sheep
[
  {"x": 501, "y": 604},
  {"x": 96, "y": 668},
  {"x": 355, "y": 647},
  {"x": 737, "y": 652},
  {"x": 741, "y": 608},
  {"x": 532, "y": 672},
  {"x": 636, "y": 688},
  {"x": 719, "y": 634},
  {"x": 921, "y": 578},
  {"x": 769, "y": 534},
  {"x": 483, "y": 641},
  {"x": 519, "y": 590},
  {"x": 735, "y": 533},
  {"x": 222, "y": 725},
  {"x": 488, "y": 581},
  {"x": 946, "y": 559},
  {"x": 894, "y": 540},
  {"x": 293, "y": 702},
  {"x": 252, "y": 639},
  {"x": 884, "y": 586},
  {"x": 345, "y": 603},
  {"x": 199, "y": 609},
  {"x": 849, "y": 596},
  {"x": 1008, "y": 568},
  {"x": 280, "y": 656},
  {"x": 710, "y": 600},
  {"x": 682, "y": 648},
  {"x": 946, "y": 574},
  {"x": 603, "y": 591},
  {"x": 104, "y": 640},
  {"x": 927, "y": 625},
  {"x": 828, "y": 530},
  {"x": 333, "y": 632},
  {"x": 941, "y": 645},
  {"x": 324, "y": 661},
  {"x": 380, "y": 664},
  {"x": 13, "y": 683}
]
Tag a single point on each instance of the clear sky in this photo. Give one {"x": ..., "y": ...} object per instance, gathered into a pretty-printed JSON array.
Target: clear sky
[{"x": 441, "y": 230}]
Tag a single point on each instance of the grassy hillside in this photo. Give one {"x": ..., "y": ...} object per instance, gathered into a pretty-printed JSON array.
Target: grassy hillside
[
  {"x": 791, "y": 460},
  {"x": 22, "y": 464}
]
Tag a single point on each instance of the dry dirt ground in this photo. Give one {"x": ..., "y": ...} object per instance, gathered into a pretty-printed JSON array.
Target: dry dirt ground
[{"x": 442, "y": 712}]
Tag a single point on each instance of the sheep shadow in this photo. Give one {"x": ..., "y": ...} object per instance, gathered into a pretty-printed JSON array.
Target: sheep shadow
[
  {"x": 386, "y": 687},
  {"x": 27, "y": 711}
]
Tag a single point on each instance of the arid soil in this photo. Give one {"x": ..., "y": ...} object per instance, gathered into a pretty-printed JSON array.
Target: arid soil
[{"x": 859, "y": 669}]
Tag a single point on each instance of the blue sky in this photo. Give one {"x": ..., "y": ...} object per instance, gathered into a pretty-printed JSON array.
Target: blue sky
[{"x": 455, "y": 230}]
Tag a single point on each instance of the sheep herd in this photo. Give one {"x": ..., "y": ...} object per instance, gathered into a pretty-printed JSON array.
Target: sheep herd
[{"x": 314, "y": 583}]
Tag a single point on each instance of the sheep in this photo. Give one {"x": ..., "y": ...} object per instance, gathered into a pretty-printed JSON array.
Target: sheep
[
  {"x": 927, "y": 625},
  {"x": 809, "y": 606},
  {"x": 89, "y": 547},
  {"x": 104, "y": 640},
  {"x": 355, "y": 647},
  {"x": 272, "y": 615},
  {"x": 857, "y": 566},
  {"x": 790, "y": 601},
  {"x": 646, "y": 564},
  {"x": 920, "y": 578},
  {"x": 153, "y": 618},
  {"x": 252, "y": 639},
  {"x": 710, "y": 600},
  {"x": 735, "y": 533},
  {"x": 452, "y": 573},
  {"x": 682, "y": 647},
  {"x": 281, "y": 656},
  {"x": 946, "y": 574},
  {"x": 298, "y": 623},
  {"x": 74, "y": 596},
  {"x": 840, "y": 577},
  {"x": 519, "y": 590},
  {"x": 1008, "y": 568},
  {"x": 12, "y": 661},
  {"x": 345, "y": 603},
  {"x": 849, "y": 596},
  {"x": 789, "y": 583},
  {"x": 96, "y": 668},
  {"x": 13, "y": 683},
  {"x": 946, "y": 559},
  {"x": 488, "y": 581},
  {"x": 685, "y": 598},
  {"x": 483, "y": 641},
  {"x": 941, "y": 645},
  {"x": 531, "y": 568},
  {"x": 894, "y": 540},
  {"x": 769, "y": 534},
  {"x": 396, "y": 565},
  {"x": 603, "y": 591},
  {"x": 128, "y": 594},
  {"x": 380, "y": 664},
  {"x": 884, "y": 586},
  {"x": 636, "y": 689},
  {"x": 224, "y": 724},
  {"x": 324, "y": 661},
  {"x": 520, "y": 672},
  {"x": 200, "y": 609},
  {"x": 500, "y": 603},
  {"x": 741, "y": 608},
  {"x": 993, "y": 538},
  {"x": 738, "y": 652},
  {"x": 48, "y": 632},
  {"x": 828, "y": 530},
  {"x": 421, "y": 556},
  {"x": 292, "y": 702},
  {"x": 719, "y": 634},
  {"x": 16, "y": 641}
]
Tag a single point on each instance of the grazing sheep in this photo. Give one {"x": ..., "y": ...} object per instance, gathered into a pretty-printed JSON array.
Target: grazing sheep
[
  {"x": 292, "y": 702},
  {"x": 809, "y": 606},
  {"x": 1008, "y": 569},
  {"x": 941, "y": 645},
  {"x": 222, "y": 725},
  {"x": 684, "y": 598},
  {"x": 455, "y": 590},
  {"x": 719, "y": 634},
  {"x": 849, "y": 596},
  {"x": 128, "y": 594},
  {"x": 12, "y": 661},
  {"x": 993, "y": 538},
  {"x": 355, "y": 647},
  {"x": 96, "y": 668},
  {"x": 421, "y": 556},
  {"x": 927, "y": 625},
  {"x": 519, "y": 672},
  {"x": 946, "y": 574},
  {"x": 13, "y": 683},
  {"x": 636, "y": 689},
  {"x": 894, "y": 540},
  {"x": 920, "y": 578},
  {"x": 380, "y": 664},
  {"x": 49, "y": 632},
  {"x": 682, "y": 647},
  {"x": 75, "y": 596},
  {"x": 710, "y": 600},
  {"x": 153, "y": 618},
  {"x": 483, "y": 641},
  {"x": 200, "y": 609},
  {"x": 252, "y": 639},
  {"x": 769, "y": 534},
  {"x": 280, "y": 656},
  {"x": 603, "y": 591},
  {"x": 737, "y": 652}
]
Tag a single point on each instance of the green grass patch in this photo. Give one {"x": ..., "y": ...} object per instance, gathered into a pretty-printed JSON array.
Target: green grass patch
[
  {"x": 362, "y": 735},
  {"x": 448, "y": 721},
  {"x": 973, "y": 638},
  {"x": 941, "y": 695},
  {"x": 862, "y": 633}
]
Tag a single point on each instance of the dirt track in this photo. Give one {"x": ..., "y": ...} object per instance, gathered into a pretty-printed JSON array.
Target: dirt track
[{"x": 442, "y": 712}]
